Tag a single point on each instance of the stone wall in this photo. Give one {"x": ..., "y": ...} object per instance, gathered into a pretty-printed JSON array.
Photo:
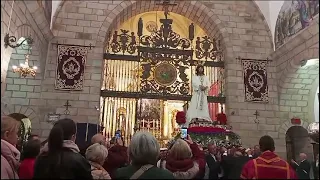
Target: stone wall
[
  {"x": 239, "y": 25},
  {"x": 296, "y": 85},
  {"x": 17, "y": 93},
  {"x": 25, "y": 13}
]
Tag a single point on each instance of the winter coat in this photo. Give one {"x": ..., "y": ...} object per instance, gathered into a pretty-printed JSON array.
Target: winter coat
[
  {"x": 98, "y": 172},
  {"x": 10, "y": 157},
  {"x": 117, "y": 158},
  {"x": 192, "y": 168},
  {"x": 69, "y": 164},
  {"x": 26, "y": 168}
]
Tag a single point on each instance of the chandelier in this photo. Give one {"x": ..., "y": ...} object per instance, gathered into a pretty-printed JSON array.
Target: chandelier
[{"x": 24, "y": 69}]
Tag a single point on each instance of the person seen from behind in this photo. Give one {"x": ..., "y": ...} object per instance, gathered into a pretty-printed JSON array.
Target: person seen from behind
[
  {"x": 315, "y": 167},
  {"x": 96, "y": 154},
  {"x": 268, "y": 165},
  {"x": 10, "y": 155},
  {"x": 118, "y": 156},
  {"x": 185, "y": 160},
  {"x": 213, "y": 167},
  {"x": 31, "y": 150},
  {"x": 144, "y": 151},
  {"x": 60, "y": 157}
]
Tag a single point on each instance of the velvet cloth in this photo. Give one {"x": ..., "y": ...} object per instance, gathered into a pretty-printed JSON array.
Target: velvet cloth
[
  {"x": 255, "y": 80},
  {"x": 268, "y": 166},
  {"x": 85, "y": 131},
  {"x": 71, "y": 62}
]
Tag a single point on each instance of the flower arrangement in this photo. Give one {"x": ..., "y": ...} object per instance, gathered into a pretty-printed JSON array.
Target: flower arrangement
[
  {"x": 180, "y": 118},
  {"x": 222, "y": 118}
]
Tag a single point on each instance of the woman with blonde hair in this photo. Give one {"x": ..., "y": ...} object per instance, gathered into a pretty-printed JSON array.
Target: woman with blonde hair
[
  {"x": 10, "y": 155},
  {"x": 185, "y": 160},
  {"x": 96, "y": 154}
]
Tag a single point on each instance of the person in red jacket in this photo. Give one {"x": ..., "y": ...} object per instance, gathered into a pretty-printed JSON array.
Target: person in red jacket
[
  {"x": 185, "y": 160},
  {"x": 117, "y": 158},
  {"x": 30, "y": 152}
]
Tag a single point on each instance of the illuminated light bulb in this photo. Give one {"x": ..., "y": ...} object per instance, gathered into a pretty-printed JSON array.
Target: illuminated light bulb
[
  {"x": 14, "y": 67},
  {"x": 35, "y": 67},
  {"x": 21, "y": 64}
]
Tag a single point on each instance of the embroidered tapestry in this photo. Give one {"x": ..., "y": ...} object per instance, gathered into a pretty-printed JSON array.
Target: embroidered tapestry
[
  {"x": 70, "y": 67},
  {"x": 255, "y": 80}
]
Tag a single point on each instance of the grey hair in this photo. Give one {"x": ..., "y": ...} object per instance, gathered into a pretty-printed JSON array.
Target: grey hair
[
  {"x": 144, "y": 149},
  {"x": 97, "y": 153}
]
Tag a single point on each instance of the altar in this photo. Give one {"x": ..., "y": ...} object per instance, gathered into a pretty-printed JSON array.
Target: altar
[{"x": 149, "y": 65}]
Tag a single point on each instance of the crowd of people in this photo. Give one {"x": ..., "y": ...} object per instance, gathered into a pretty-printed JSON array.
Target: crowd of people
[{"x": 60, "y": 158}]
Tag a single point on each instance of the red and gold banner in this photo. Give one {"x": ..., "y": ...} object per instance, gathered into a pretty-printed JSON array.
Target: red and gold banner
[{"x": 71, "y": 62}]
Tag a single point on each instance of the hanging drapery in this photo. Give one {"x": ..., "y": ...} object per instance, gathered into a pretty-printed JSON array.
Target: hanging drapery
[
  {"x": 85, "y": 131},
  {"x": 255, "y": 80},
  {"x": 214, "y": 107},
  {"x": 70, "y": 67}
]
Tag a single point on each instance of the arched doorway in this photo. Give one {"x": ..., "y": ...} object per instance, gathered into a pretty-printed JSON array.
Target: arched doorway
[
  {"x": 25, "y": 128},
  {"x": 297, "y": 141}
]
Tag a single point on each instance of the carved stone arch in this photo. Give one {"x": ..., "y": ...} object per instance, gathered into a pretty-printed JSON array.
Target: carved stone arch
[
  {"x": 7, "y": 109},
  {"x": 55, "y": 14},
  {"x": 205, "y": 17},
  {"x": 284, "y": 127},
  {"x": 37, "y": 11},
  {"x": 26, "y": 31}
]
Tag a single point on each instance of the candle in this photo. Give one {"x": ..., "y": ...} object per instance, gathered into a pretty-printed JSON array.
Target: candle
[{"x": 227, "y": 138}]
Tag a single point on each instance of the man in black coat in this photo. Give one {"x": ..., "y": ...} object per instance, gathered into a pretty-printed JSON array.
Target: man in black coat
[
  {"x": 315, "y": 167},
  {"x": 236, "y": 164},
  {"x": 256, "y": 151},
  {"x": 213, "y": 164},
  {"x": 303, "y": 168}
]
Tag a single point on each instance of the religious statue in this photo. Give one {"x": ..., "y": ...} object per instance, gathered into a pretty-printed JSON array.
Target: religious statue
[{"x": 198, "y": 109}]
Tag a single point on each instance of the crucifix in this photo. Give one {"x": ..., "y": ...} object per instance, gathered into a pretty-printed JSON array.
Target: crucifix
[
  {"x": 256, "y": 114},
  {"x": 67, "y": 105},
  {"x": 166, "y": 4}
]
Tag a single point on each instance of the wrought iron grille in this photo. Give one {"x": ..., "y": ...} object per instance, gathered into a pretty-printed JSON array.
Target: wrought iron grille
[{"x": 156, "y": 66}]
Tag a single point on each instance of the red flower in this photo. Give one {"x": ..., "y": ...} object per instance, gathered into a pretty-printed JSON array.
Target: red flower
[
  {"x": 181, "y": 117},
  {"x": 222, "y": 118},
  {"x": 199, "y": 129}
]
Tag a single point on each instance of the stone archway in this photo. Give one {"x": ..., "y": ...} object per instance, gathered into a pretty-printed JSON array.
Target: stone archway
[
  {"x": 17, "y": 109},
  {"x": 298, "y": 141}
]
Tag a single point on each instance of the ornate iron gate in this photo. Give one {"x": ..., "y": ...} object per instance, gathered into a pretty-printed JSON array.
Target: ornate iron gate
[{"x": 157, "y": 66}]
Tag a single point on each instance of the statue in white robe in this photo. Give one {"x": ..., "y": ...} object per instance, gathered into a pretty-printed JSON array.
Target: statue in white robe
[{"x": 198, "y": 107}]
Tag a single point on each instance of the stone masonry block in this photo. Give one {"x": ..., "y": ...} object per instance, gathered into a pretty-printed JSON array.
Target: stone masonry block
[
  {"x": 26, "y": 88},
  {"x": 17, "y": 94},
  {"x": 302, "y": 103},
  {"x": 19, "y": 101},
  {"x": 83, "y": 23},
  {"x": 92, "y": 17},
  {"x": 34, "y": 82},
  {"x": 19, "y": 81},
  {"x": 303, "y": 92},
  {"x": 38, "y": 102},
  {"x": 87, "y": 112},
  {"x": 85, "y": 11},
  {"x": 11, "y": 87},
  {"x": 74, "y": 28},
  {"x": 75, "y": 16},
  {"x": 33, "y": 95}
]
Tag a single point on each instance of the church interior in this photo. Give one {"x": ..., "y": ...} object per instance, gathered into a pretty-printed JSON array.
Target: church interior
[{"x": 128, "y": 65}]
